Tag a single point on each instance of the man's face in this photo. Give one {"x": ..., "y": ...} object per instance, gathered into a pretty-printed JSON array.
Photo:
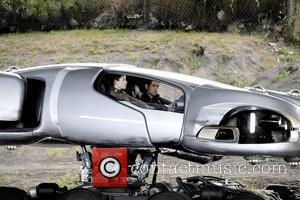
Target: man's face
[{"x": 152, "y": 88}]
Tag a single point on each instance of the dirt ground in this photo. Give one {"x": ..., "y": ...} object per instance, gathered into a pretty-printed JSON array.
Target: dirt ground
[{"x": 28, "y": 166}]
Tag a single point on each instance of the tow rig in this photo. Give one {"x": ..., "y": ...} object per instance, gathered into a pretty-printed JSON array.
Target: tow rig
[{"x": 112, "y": 174}]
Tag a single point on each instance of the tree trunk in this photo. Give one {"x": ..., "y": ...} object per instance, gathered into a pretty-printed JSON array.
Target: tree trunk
[
  {"x": 297, "y": 17},
  {"x": 14, "y": 12},
  {"x": 290, "y": 11},
  {"x": 290, "y": 20},
  {"x": 145, "y": 11}
]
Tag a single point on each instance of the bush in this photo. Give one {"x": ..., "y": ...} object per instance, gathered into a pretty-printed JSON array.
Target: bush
[{"x": 212, "y": 15}]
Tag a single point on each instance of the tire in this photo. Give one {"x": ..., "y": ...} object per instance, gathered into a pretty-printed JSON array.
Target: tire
[
  {"x": 247, "y": 197},
  {"x": 170, "y": 196},
  {"x": 82, "y": 194},
  {"x": 11, "y": 193}
]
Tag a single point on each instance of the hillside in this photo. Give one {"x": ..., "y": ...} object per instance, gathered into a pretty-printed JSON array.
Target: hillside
[{"x": 227, "y": 57}]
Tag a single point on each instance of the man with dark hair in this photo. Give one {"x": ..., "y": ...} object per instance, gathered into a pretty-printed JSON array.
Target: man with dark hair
[{"x": 151, "y": 97}]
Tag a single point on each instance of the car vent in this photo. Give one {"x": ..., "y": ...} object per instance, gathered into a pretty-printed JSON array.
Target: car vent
[
  {"x": 294, "y": 92},
  {"x": 257, "y": 88}
]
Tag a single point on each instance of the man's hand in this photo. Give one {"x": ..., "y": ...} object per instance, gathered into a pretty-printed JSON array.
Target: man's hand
[{"x": 171, "y": 107}]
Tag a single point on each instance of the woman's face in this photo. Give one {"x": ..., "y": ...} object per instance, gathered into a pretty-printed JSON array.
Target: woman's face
[{"x": 121, "y": 83}]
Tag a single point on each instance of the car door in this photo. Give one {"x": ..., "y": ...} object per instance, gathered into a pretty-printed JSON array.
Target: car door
[{"x": 90, "y": 117}]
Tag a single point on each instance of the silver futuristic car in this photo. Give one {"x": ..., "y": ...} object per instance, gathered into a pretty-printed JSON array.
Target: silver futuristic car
[
  {"x": 70, "y": 103},
  {"x": 196, "y": 119}
]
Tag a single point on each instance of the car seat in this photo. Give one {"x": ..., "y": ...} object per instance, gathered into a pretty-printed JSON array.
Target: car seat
[{"x": 136, "y": 92}]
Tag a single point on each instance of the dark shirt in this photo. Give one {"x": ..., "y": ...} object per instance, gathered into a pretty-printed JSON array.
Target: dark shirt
[
  {"x": 154, "y": 102},
  {"x": 148, "y": 99}
]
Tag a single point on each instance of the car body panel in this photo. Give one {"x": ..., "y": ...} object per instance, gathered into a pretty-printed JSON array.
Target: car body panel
[
  {"x": 12, "y": 88},
  {"x": 207, "y": 107},
  {"x": 162, "y": 126}
]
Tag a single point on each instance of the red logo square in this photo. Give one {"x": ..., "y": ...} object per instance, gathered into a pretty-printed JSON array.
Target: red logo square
[{"x": 110, "y": 167}]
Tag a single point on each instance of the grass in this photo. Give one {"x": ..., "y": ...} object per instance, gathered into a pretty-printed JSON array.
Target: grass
[
  {"x": 5, "y": 179},
  {"x": 65, "y": 46},
  {"x": 281, "y": 76},
  {"x": 248, "y": 182},
  {"x": 152, "y": 62},
  {"x": 170, "y": 50},
  {"x": 27, "y": 180},
  {"x": 28, "y": 166},
  {"x": 54, "y": 153},
  {"x": 296, "y": 38},
  {"x": 134, "y": 56},
  {"x": 69, "y": 180},
  {"x": 191, "y": 61},
  {"x": 234, "y": 80}
]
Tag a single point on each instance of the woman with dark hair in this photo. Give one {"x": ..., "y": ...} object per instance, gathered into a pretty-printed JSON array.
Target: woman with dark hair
[{"x": 119, "y": 84}]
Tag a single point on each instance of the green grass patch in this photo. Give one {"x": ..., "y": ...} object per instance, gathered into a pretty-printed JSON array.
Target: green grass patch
[
  {"x": 53, "y": 153},
  {"x": 69, "y": 180},
  {"x": 234, "y": 80},
  {"x": 5, "y": 179},
  {"x": 191, "y": 61},
  {"x": 281, "y": 76},
  {"x": 152, "y": 62},
  {"x": 134, "y": 56},
  {"x": 247, "y": 182},
  {"x": 296, "y": 38}
]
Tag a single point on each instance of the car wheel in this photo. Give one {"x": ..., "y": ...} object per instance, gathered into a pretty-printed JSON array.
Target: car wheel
[
  {"x": 247, "y": 197},
  {"x": 170, "y": 196},
  {"x": 83, "y": 194},
  {"x": 11, "y": 193}
]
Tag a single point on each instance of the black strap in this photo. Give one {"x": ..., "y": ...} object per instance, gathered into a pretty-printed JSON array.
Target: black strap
[{"x": 156, "y": 168}]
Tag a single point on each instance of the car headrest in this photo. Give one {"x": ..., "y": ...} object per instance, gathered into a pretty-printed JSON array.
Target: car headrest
[{"x": 136, "y": 92}]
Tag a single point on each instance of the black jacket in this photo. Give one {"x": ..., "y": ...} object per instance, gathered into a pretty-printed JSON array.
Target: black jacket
[{"x": 154, "y": 102}]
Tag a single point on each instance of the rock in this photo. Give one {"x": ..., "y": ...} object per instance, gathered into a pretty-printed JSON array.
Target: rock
[
  {"x": 221, "y": 15},
  {"x": 74, "y": 22},
  {"x": 278, "y": 28},
  {"x": 241, "y": 26},
  {"x": 134, "y": 16},
  {"x": 186, "y": 27},
  {"x": 291, "y": 69},
  {"x": 233, "y": 28},
  {"x": 189, "y": 27},
  {"x": 198, "y": 50},
  {"x": 104, "y": 21},
  {"x": 134, "y": 21},
  {"x": 272, "y": 44},
  {"x": 153, "y": 22}
]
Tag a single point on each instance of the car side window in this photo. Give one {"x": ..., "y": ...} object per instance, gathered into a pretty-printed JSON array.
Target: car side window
[
  {"x": 169, "y": 92},
  {"x": 146, "y": 93}
]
